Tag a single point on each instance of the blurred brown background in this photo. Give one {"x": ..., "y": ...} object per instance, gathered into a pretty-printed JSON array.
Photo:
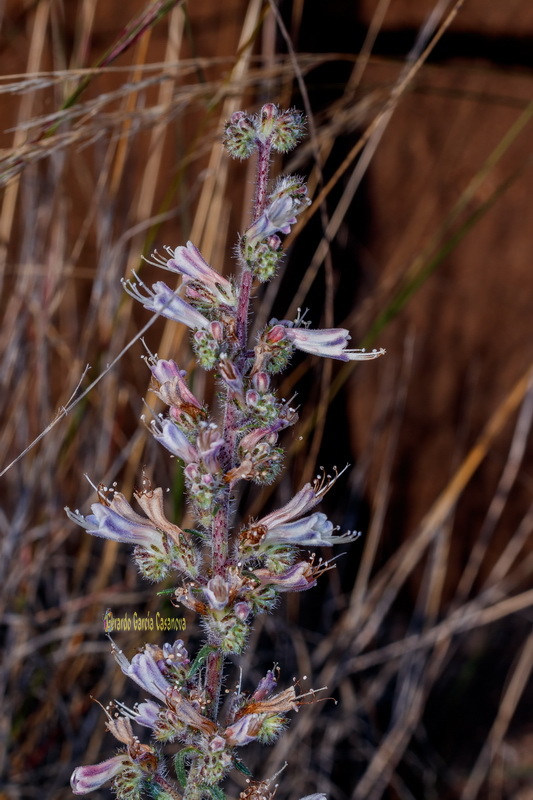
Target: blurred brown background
[{"x": 420, "y": 153}]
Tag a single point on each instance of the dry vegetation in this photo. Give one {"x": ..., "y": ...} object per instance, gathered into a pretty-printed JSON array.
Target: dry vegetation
[{"x": 417, "y": 241}]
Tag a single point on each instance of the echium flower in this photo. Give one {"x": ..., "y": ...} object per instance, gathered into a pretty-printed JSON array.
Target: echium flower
[
  {"x": 288, "y": 526},
  {"x": 201, "y": 284},
  {"x": 169, "y": 434},
  {"x": 118, "y": 521},
  {"x": 185, "y": 407},
  {"x": 131, "y": 770},
  {"x": 326, "y": 342},
  {"x": 159, "y": 544},
  {"x": 161, "y": 299}
]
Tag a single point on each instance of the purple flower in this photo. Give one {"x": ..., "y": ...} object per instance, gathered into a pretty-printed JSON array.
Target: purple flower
[
  {"x": 265, "y": 687},
  {"x": 209, "y": 443},
  {"x": 278, "y": 216},
  {"x": 162, "y": 300},
  {"x": 281, "y": 526},
  {"x": 144, "y": 670},
  {"x": 119, "y": 522},
  {"x": 170, "y": 436},
  {"x": 173, "y": 389},
  {"x": 143, "y": 713},
  {"x": 329, "y": 342},
  {"x": 298, "y": 578},
  {"x": 189, "y": 262},
  {"x": 243, "y": 731},
  {"x": 87, "y": 779}
]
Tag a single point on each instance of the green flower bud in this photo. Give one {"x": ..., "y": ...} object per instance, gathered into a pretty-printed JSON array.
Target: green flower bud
[{"x": 240, "y": 135}]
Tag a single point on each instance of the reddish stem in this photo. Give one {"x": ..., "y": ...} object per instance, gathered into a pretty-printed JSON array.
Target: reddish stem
[
  {"x": 220, "y": 532},
  {"x": 260, "y": 200}
]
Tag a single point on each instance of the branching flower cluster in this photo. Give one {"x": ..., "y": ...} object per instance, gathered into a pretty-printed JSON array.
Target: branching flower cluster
[{"x": 225, "y": 577}]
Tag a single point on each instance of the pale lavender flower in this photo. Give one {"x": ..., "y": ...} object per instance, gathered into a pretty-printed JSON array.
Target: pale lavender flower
[
  {"x": 170, "y": 436},
  {"x": 209, "y": 444},
  {"x": 93, "y": 776},
  {"x": 243, "y": 731},
  {"x": 143, "y": 713},
  {"x": 187, "y": 713},
  {"x": 173, "y": 389},
  {"x": 278, "y": 216},
  {"x": 328, "y": 342},
  {"x": 162, "y": 300},
  {"x": 190, "y": 263},
  {"x": 283, "y": 525},
  {"x": 217, "y": 592},
  {"x": 143, "y": 669},
  {"x": 313, "y": 530},
  {"x": 298, "y": 578},
  {"x": 315, "y": 796},
  {"x": 119, "y": 522}
]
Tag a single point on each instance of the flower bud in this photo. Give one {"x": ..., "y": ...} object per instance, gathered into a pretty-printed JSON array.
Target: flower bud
[
  {"x": 275, "y": 334},
  {"x": 216, "y": 592},
  {"x": 242, "y": 611},
  {"x": 261, "y": 382},
  {"x": 240, "y": 135},
  {"x": 216, "y": 329},
  {"x": 207, "y": 347},
  {"x": 289, "y": 129}
]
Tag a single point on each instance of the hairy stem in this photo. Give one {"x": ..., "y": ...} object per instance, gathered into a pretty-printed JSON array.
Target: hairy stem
[
  {"x": 213, "y": 682},
  {"x": 169, "y": 789},
  {"x": 263, "y": 169},
  {"x": 220, "y": 528}
]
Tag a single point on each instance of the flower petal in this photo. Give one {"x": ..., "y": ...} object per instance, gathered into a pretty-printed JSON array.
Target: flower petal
[{"x": 87, "y": 779}]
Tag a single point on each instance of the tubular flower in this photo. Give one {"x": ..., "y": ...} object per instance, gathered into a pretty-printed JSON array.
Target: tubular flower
[
  {"x": 167, "y": 433},
  {"x": 127, "y": 770},
  {"x": 210, "y": 443},
  {"x": 329, "y": 342},
  {"x": 283, "y": 527},
  {"x": 144, "y": 670},
  {"x": 93, "y": 776},
  {"x": 200, "y": 281},
  {"x": 118, "y": 521},
  {"x": 145, "y": 714},
  {"x": 184, "y": 711},
  {"x": 278, "y": 216},
  {"x": 162, "y": 300},
  {"x": 298, "y": 578},
  {"x": 173, "y": 389}
]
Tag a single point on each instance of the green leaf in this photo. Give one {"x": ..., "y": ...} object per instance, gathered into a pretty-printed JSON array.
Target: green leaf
[
  {"x": 197, "y": 533},
  {"x": 201, "y": 657}
]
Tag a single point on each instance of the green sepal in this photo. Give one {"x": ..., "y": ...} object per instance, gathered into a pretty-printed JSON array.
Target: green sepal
[
  {"x": 215, "y": 792},
  {"x": 249, "y": 574},
  {"x": 179, "y": 763},
  {"x": 159, "y": 793},
  {"x": 238, "y": 764}
]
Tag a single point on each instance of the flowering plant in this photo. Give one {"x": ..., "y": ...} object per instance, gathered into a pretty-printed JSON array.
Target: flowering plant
[{"x": 226, "y": 579}]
